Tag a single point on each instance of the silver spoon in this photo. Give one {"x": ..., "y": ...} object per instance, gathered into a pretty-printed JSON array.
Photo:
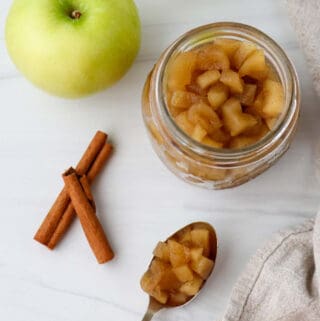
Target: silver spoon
[{"x": 155, "y": 306}]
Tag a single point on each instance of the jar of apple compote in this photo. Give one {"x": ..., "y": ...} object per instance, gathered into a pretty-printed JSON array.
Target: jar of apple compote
[{"x": 221, "y": 105}]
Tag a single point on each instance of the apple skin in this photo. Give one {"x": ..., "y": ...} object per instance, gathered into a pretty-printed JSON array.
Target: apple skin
[{"x": 73, "y": 57}]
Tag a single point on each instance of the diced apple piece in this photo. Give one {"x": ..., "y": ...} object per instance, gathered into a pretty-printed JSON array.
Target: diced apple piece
[
  {"x": 208, "y": 78},
  {"x": 184, "y": 123},
  {"x": 242, "y": 141},
  {"x": 203, "y": 115},
  {"x": 196, "y": 89},
  {"x": 235, "y": 121},
  {"x": 256, "y": 129},
  {"x": 149, "y": 281},
  {"x": 160, "y": 295},
  {"x": 210, "y": 142},
  {"x": 245, "y": 50},
  {"x": 192, "y": 287},
  {"x": 201, "y": 238},
  {"x": 183, "y": 273},
  {"x": 248, "y": 95},
  {"x": 264, "y": 130},
  {"x": 162, "y": 252},
  {"x": 178, "y": 253},
  {"x": 212, "y": 57},
  {"x": 158, "y": 266},
  {"x": 203, "y": 267},
  {"x": 178, "y": 298},
  {"x": 229, "y": 46},
  {"x": 217, "y": 95},
  {"x": 254, "y": 65},
  {"x": 196, "y": 253},
  {"x": 198, "y": 133},
  {"x": 271, "y": 122},
  {"x": 220, "y": 136},
  {"x": 183, "y": 99},
  {"x": 257, "y": 107},
  {"x": 169, "y": 280},
  {"x": 232, "y": 79},
  {"x": 184, "y": 236},
  {"x": 273, "y": 98},
  {"x": 180, "y": 70}
]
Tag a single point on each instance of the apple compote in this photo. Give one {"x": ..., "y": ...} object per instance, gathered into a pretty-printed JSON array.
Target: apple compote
[
  {"x": 224, "y": 94},
  {"x": 221, "y": 104},
  {"x": 180, "y": 266}
]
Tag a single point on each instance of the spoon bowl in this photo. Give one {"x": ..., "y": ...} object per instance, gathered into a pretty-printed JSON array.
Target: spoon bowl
[{"x": 155, "y": 306}]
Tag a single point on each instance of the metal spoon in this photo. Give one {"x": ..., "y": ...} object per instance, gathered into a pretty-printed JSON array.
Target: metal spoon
[{"x": 155, "y": 306}]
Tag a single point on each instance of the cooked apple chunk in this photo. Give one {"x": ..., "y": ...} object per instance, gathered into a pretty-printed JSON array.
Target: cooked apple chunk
[
  {"x": 220, "y": 136},
  {"x": 254, "y": 66},
  {"x": 242, "y": 141},
  {"x": 183, "y": 99},
  {"x": 232, "y": 79},
  {"x": 212, "y": 143},
  {"x": 203, "y": 267},
  {"x": 184, "y": 237},
  {"x": 180, "y": 70},
  {"x": 208, "y": 78},
  {"x": 204, "y": 116},
  {"x": 201, "y": 238},
  {"x": 178, "y": 298},
  {"x": 217, "y": 95},
  {"x": 158, "y": 266},
  {"x": 169, "y": 280},
  {"x": 184, "y": 123},
  {"x": 192, "y": 287},
  {"x": 162, "y": 252},
  {"x": 159, "y": 295},
  {"x": 229, "y": 46},
  {"x": 235, "y": 120},
  {"x": 212, "y": 57},
  {"x": 248, "y": 95},
  {"x": 271, "y": 122},
  {"x": 273, "y": 98},
  {"x": 183, "y": 273},
  {"x": 196, "y": 253},
  {"x": 245, "y": 50},
  {"x": 149, "y": 281},
  {"x": 198, "y": 133},
  {"x": 178, "y": 253}
]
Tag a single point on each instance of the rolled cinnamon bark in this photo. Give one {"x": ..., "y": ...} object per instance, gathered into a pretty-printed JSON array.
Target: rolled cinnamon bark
[
  {"x": 61, "y": 205},
  {"x": 88, "y": 219},
  {"x": 99, "y": 162},
  {"x": 69, "y": 213}
]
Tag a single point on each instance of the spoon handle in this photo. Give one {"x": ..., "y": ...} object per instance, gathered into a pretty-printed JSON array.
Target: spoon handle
[
  {"x": 148, "y": 316},
  {"x": 154, "y": 307}
]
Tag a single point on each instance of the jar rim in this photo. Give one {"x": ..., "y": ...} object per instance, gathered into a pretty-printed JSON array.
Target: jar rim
[{"x": 223, "y": 154}]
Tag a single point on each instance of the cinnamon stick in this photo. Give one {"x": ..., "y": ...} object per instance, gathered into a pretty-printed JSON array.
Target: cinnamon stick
[
  {"x": 69, "y": 213},
  {"x": 88, "y": 219},
  {"x": 62, "y": 203}
]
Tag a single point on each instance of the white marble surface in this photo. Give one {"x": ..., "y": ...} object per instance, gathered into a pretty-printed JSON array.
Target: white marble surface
[{"x": 140, "y": 202}]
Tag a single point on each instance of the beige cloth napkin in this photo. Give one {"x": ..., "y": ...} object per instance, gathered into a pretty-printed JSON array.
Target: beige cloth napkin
[{"x": 282, "y": 281}]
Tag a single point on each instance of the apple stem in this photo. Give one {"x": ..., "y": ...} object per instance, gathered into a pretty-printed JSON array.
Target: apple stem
[{"x": 75, "y": 14}]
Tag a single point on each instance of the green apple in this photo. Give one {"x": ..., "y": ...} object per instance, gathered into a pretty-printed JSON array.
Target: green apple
[{"x": 72, "y": 48}]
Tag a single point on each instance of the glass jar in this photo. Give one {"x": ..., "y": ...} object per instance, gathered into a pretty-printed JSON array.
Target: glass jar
[{"x": 203, "y": 165}]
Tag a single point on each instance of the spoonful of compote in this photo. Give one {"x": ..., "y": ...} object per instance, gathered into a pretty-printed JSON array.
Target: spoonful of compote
[{"x": 180, "y": 267}]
